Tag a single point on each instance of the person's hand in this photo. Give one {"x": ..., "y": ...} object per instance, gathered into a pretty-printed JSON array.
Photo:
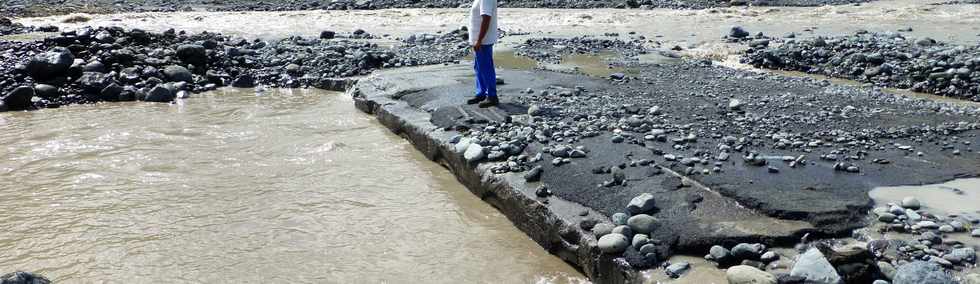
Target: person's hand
[{"x": 476, "y": 47}]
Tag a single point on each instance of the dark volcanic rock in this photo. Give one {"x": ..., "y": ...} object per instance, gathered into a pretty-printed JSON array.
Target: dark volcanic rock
[
  {"x": 138, "y": 60},
  {"x": 19, "y": 98},
  {"x": 22, "y": 277},
  {"x": 552, "y": 49},
  {"x": 93, "y": 82},
  {"x": 160, "y": 94},
  {"x": 193, "y": 54},
  {"x": 883, "y": 59},
  {"x": 175, "y": 73},
  {"x": 50, "y": 65}
]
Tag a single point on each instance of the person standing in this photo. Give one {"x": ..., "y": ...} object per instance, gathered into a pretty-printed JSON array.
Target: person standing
[{"x": 483, "y": 35}]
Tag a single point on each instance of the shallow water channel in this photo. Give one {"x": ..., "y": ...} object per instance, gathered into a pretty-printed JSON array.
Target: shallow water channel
[{"x": 235, "y": 186}]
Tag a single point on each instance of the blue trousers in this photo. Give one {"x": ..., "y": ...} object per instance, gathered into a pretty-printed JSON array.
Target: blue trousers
[{"x": 486, "y": 77}]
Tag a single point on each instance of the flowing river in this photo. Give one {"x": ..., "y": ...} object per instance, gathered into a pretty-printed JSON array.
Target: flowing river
[{"x": 238, "y": 186}]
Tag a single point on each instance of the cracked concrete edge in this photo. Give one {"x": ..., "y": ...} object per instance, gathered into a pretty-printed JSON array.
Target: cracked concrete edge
[{"x": 551, "y": 225}]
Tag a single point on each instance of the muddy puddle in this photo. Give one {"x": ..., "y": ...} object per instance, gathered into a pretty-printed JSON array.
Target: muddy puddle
[
  {"x": 235, "y": 186},
  {"x": 961, "y": 196}
]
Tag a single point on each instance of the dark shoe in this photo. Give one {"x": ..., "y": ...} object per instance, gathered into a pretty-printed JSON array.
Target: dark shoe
[
  {"x": 492, "y": 101},
  {"x": 476, "y": 100}
]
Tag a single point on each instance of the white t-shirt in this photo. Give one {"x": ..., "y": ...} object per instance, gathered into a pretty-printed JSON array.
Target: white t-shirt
[{"x": 480, "y": 8}]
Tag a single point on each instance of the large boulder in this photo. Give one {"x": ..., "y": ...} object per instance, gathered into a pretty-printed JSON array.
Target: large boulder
[
  {"x": 111, "y": 93},
  {"x": 94, "y": 82},
  {"x": 175, "y": 73},
  {"x": 243, "y": 81},
  {"x": 613, "y": 243},
  {"x": 193, "y": 54},
  {"x": 50, "y": 65},
  {"x": 642, "y": 203},
  {"x": 854, "y": 262},
  {"x": 21, "y": 277},
  {"x": 815, "y": 268},
  {"x": 748, "y": 251},
  {"x": 46, "y": 91},
  {"x": 744, "y": 274},
  {"x": 160, "y": 94},
  {"x": 922, "y": 272},
  {"x": 19, "y": 98},
  {"x": 642, "y": 223}
]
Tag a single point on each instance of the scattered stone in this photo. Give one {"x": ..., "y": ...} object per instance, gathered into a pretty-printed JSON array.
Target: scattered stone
[
  {"x": 719, "y": 254},
  {"x": 641, "y": 204},
  {"x": 620, "y": 218},
  {"x": 744, "y": 274},
  {"x": 642, "y": 223},
  {"x": 677, "y": 269},
  {"x": 911, "y": 202},
  {"x": 748, "y": 251},
  {"x": 160, "y": 94},
  {"x": 814, "y": 266},
  {"x": 532, "y": 175},
  {"x": 613, "y": 243},
  {"x": 918, "y": 272},
  {"x": 18, "y": 99},
  {"x": 602, "y": 229},
  {"x": 738, "y": 32},
  {"x": 769, "y": 256},
  {"x": 474, "y": 153}
]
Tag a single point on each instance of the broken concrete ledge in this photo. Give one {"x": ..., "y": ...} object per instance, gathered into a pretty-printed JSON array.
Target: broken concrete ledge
[
  {"x": 736, "y": 205},
  {"x": 548, "y": 225}
]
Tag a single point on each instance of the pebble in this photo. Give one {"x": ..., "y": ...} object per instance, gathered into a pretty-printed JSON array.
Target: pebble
[
  {"x": 642, "y": 223},
  {"x": 719, "y": 253},
  {"x": 748, "y": 251},
  {"x": 769, "y": 256},
  {"x": 911, "y": 202},
  {"x": 927, "y": 224},
  {"x": 602, "y": 229},
  {"x": 620, "y": 218},
  {"x": 642, "y": 203},
  {"x": 677, "y": 269},
  {"x": 623, "y": 230},
  {"x": 886, "y": 217},
  {"x": 639, "y": 240},
  {"x": 744, "y": 274},
  {"x": 975, "y": 233}
]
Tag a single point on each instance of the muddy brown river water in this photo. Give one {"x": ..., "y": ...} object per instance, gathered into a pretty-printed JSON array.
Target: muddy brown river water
[{"x": 235, "y": 186}]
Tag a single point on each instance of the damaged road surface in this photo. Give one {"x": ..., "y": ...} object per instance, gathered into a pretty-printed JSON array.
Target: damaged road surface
[{"x": 676, "y": 158}]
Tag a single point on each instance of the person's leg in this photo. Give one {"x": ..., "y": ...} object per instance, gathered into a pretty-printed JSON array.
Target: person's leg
[
  {"x": 480, "y": 93},
  {"x": 490, "y": 81},
  {"x": 488, "y": 76}
]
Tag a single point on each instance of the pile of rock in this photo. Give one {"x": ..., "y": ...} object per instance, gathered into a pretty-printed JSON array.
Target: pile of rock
[
  {"x": 8, "y": 27},
  {"x": 551, "y": 50},
  {"x": 113, "y": 64},
  {"x": 630, "y": 232},
  {"x": 883, "y": 59},
  {"x": 932, "y": 242}
]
